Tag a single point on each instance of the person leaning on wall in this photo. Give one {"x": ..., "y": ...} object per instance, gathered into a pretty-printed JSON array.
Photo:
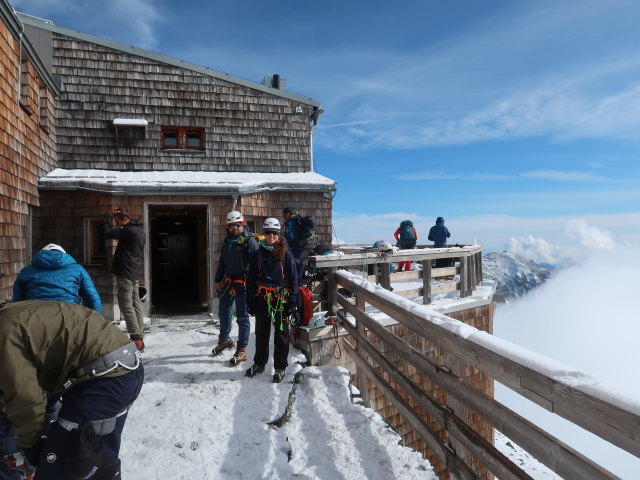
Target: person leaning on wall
[{"x": 127, "y": 261}]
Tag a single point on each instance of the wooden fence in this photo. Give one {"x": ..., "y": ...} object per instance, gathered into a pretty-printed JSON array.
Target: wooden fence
[
  {"x": 467, "y": 265},
  {"x": 435, "y": 417}
]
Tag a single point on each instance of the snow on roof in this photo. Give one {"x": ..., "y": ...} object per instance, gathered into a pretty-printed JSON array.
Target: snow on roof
[
  {"x": 186, "y": 182},
  {"x": 134, "y": 122}
]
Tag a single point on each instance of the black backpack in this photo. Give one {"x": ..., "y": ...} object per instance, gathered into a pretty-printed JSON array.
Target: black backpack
[
  {"x": 306, "y": 230},
  {"x": 407, "y": 235}
]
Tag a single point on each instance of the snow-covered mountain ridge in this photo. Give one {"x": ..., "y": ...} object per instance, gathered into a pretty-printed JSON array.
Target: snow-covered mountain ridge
[{"x": 514, "y": 275}]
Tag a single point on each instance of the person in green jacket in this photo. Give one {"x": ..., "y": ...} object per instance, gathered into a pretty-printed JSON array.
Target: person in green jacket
[{"x": 49, "y": 347}]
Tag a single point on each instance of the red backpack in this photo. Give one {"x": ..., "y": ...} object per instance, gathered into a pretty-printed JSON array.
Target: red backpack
[{"x": 306, "y": 305}]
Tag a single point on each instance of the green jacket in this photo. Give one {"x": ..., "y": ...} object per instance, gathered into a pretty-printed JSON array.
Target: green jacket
[{"x": 41, "y": 343}]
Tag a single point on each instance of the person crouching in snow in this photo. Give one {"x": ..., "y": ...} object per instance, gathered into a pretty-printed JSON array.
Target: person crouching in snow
[
  {"x": 51, "y": 346},
  {"x": 272, "y": 295}
]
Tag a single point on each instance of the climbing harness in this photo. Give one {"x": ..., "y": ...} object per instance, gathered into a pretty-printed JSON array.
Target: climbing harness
[
  {"x": 331, "y": 318},
  {"x": 100, "y": 427},
  {"x": 229, "y": 286},
  {"x": 276, "y": 298},
  {"x": 126, "y": 357}
]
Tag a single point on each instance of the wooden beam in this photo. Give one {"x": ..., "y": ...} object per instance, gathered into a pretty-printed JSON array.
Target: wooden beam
[
  {"x": 610, "y": 422},
  {"x": 555, "y": 454}
]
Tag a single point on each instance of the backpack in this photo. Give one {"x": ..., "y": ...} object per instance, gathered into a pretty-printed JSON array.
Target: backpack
[
  {"x": 305, "y": 305},
  {"x": 407, "y": 235},
  {"x": 306, "y": 230}
]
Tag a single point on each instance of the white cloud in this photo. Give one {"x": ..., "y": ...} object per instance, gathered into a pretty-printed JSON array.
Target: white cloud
[
  {"x": 589, "y": 236},
  {"x": 536, "y": 249}
]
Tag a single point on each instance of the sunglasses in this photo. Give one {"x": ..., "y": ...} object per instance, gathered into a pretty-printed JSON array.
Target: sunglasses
[
  {"x": 234, "y": 225},
  {"x": 272, "y": 232}
]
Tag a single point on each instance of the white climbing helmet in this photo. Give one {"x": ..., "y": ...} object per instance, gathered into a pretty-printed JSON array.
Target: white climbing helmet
[
  {"x": 234, "y": 217},
  {"x": 271, "y": 224},
  {"x": 384, "y": 247}
]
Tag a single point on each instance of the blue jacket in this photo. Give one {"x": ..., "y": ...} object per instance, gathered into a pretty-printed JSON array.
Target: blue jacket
[
  {"x": 291, "y": 228},
  {"x": 268, "y": 271},
  {"x": 438, "y": 234},
  {"x": 55, "y": 275}
]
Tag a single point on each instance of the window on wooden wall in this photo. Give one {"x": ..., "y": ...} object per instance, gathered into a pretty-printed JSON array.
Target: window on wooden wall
[
  {"x": 26, "y": 87},
  {"x": 183, "y": 138},
  {"x": 46, "y": 115},
  {"x": 95, "y": 246}
]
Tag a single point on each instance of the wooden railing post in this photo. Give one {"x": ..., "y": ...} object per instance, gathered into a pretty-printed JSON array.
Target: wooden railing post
[
  {"x": 426, "y": 282},
  {"x": 464, "y": 277},
  {"x": 332, "y": 289},
  {"x": 361, "y": 377},
  {"x": 385, "y": 276}
]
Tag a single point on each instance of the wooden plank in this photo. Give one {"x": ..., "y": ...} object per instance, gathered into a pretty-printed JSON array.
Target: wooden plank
[
  {"x": 608, "y": 421},
  {"x": 426, "y": 282},
  {"x": 445, "y": 287},
  {"x": 447, "y": 456},
  {"x": 413, "y": 293},
  {"x": 495, "y": 461},
  {"x": 404, "y": 276},
  {"x": 546, "y": 448},
  {"x": 385, "y": 276}
]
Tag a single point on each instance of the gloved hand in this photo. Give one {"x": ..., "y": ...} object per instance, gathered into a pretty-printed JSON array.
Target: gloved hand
[
  {"x": 251, "y": 309},
  {"x": 294, "y": 317},
  {"x": 33, "y": 453}
]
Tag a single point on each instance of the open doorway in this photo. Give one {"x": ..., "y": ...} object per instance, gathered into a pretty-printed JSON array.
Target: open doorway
[{"x": 178, "y": 246}]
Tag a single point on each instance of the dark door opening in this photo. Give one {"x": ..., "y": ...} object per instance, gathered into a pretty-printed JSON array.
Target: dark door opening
[{"x": 178, "y": 259}]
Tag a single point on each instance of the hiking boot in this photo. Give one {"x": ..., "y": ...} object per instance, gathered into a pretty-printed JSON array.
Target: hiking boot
[
  {"x": 278, "y": 376},
  {"x": 239, "y": 356},
  {"x": 254, "y": 370},
  {"x": 139, "y": 344},
  {"x": 222, "y": 346}
]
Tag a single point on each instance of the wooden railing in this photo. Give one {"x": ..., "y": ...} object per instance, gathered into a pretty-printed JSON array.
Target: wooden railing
[
  {"x": 563, "y": 391},
  {"x": 467, "y": 261}
]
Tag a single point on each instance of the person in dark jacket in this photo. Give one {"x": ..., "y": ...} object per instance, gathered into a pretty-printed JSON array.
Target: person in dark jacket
[
  {"x": 48, "y": 347},
  {"x": 272, "y": 294},
  {"x": 291, "y": 232},
  {"x": 55, "y": 275},
  {"x": 231, "y": 285},
  {"x": 127, "y": 261},
  {"x": 438, "y": 234}
]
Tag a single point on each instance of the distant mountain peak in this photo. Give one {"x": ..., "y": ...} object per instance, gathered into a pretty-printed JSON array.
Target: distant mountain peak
[{"x": 514, "y": 275}]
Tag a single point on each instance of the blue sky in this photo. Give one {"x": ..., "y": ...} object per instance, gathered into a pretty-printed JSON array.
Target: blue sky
[{"x": 516, "y": 121}]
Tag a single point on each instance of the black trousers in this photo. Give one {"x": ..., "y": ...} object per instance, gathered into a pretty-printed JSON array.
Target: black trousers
[{"x": 263, "y": 333}]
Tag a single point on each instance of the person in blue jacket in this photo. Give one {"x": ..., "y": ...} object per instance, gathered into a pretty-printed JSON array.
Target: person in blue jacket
[
  {"x": 438, "y": 234},
  {"x": 291, "y": 231},
  {"x": 55, "y": 275},
  {"x": 272, "y": 295}
]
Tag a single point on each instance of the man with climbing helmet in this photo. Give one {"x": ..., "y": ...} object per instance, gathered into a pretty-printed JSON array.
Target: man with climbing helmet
[
  {"x": 272, "y": 294},
  {"x": 230, "y": 285},
  {"x": 49, "y": 347}
]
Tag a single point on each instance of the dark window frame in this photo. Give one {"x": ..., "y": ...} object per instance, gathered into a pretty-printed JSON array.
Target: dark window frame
[
  {"x": 182, "y": 135},
  {"x": 96, "y": 248}
]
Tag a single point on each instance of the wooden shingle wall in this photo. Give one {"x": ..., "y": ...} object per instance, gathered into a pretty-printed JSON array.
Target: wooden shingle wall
[
  {"x": 61, "y": 219},
  {"x": 479, "y": 317},
  {"x": 27, "y": 151},
  {"x": 246, "y": 130}
]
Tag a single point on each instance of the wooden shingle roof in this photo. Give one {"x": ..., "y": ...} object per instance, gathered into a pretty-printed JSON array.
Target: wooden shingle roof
[{"x": 50, "y": 26}]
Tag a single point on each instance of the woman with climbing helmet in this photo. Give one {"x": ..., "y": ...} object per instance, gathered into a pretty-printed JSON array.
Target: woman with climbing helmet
[{"x": 272, "y": 294}]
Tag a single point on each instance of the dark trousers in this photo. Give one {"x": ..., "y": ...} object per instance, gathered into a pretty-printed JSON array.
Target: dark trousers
[
  {"x": 263, "y": 332},
  {"x": 95, "y": 399},
  {"x": 8, "y": 445},
  {"x": 301, "y": 262}
]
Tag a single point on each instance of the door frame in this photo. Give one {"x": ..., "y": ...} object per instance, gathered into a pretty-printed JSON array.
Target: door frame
[{"x": 147, "y": 251}]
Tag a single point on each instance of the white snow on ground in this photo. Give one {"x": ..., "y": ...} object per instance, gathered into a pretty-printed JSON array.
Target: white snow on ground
[{"x": 198, "y": 418}]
